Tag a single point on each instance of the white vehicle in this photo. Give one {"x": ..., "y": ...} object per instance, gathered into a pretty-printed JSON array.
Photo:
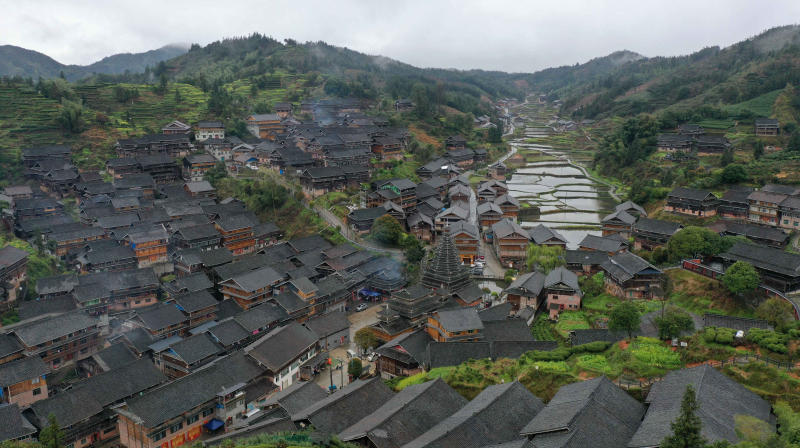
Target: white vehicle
[{"x": 361, "y": 307}]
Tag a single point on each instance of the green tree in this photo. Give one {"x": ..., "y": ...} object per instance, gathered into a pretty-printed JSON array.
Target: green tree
[
  {"x": 178, "y": 97},
  {"x": 215, "y": 174},
  {"x": 794, "y": 142},
  {"x": 51, "y": 436},
  {"x": 625, "y": 317},
  {"x": 686, "y": 428},
  {"x": 741, "y": 278},
  {"x": 354, "y": 368},
  {"x": 412, "y": 248},
  {"x": 758, "y": 150},
  {"x": 365, "y": 339},
  {"x": 778, "y": 312},
  {"x": 733, "y": 174},
  {"x": 386, "y": 230},
  {"x": 71, "y": 116},
  {"x": 593, "y": 286},
  {"x": 544, "y": 258},
  {"x": 726, "y": 159},
  {"x": 691, "y": 242},
  {"x": 674, "y": 322}
]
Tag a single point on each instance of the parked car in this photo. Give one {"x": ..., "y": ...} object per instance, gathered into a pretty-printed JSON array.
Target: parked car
[
  {"x": 477, "y": 270},
  {"x": 372, "y": 357},
  {"x": 361, "y": 307}
]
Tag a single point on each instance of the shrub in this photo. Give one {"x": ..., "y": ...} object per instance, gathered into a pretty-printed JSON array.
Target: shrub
[
  {"x": 592, "y": 347},
  {"x": 769, "y": 339},
  {"x": 725, "y": 336},
  {"x": 710, "y": 334}
]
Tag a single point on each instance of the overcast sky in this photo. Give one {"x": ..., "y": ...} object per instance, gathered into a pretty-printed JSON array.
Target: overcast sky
[{"x": 510, "y": 35}]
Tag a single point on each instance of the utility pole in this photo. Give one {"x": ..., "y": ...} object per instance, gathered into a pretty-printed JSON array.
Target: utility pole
[
  {"x": 330, "y": 369},
  {"x": 341, "y": 371}
]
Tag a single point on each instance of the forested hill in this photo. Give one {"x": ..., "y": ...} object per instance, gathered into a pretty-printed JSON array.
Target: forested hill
[
  {"x": 623, "y": 84},
  {"x": 347, "y": 72},
  {"x": 17, "y": 61}
]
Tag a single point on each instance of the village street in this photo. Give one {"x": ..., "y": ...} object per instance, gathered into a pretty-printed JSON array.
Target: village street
[{"x": 358, "y": 320}]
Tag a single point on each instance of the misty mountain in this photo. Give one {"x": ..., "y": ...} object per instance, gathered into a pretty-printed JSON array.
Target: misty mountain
[{"x": 17, "y": 61}]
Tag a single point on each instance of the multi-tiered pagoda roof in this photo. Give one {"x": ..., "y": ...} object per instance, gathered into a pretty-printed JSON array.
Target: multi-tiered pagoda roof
[{"x": 445, "y": 270}]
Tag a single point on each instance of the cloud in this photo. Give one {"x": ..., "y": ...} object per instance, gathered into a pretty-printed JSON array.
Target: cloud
[{"x": 497, "y": 35}]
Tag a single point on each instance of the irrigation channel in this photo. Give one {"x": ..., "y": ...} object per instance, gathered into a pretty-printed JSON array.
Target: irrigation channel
[{"x": 553, "y": 180}]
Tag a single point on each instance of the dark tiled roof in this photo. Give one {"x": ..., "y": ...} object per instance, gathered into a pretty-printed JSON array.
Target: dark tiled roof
[
  {"x": 496, "y": 415},
  {"x": 737, "y": 323},
  {"x": 766, "y": 258},
  {"x": 14, "y": 426},
  {"x": 29, "y": 309},
  {"x": 196, "y": 348},
  {"x": 506, "y": 330},
  {"x": 582, "y": 257},
  {"x": 620, "y": 215},
  {"x": 297, "y": 397},
  {"x": 444, "y": 354},
  {"x": 624, "y": 266},
  {"x": 580, "y": 337},
  {"x": 689, "y": 193},
  {"x": 407, "y": 347},
  {"x": 22, "y": 369},
  {"x": 10, "y": 255},
  {"x": 542, "y": 233},
  {"x": 160, "y": 316},
  {"x": 344, "y": 408},
  {"x": 407, "y": 415},
  {"x": 282, "y": 345},
  {"x": 261, "y": 316},
  {"x": 229, "y": 332},
  {"x": 657, "y": 226},
  {"x": 328, "y": 324},
  {"x": 587, "y": 413},
  {"x": 515, "y": 349},
  {"x": 758, "y": 232},
  {"x": 114, "y": 356},
  {"x": 497, "y": 312},
  {"x": 188, "y": 392},
  {"x": 195, "y": 301},
  {"x": 459, "y": 319},
  {"x": 9, "y": 345},
  {"x": 720, "y": 400},
  {"x": 92, "y": 395},
  {"x": 313, "y": 242},
  {"x": 603, "y": 244},
  {"x": 43, "y": 330}
]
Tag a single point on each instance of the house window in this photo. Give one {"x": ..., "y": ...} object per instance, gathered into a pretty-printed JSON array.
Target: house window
[
  {"x": 192, "y": 419},
  {"x": 160, "y": 435},
  {"x": 176, "y": 427},
  {"x": 207, "y": 412},
  {"x": 37, "y": 391},
  {"x": 35, "y": 380}
]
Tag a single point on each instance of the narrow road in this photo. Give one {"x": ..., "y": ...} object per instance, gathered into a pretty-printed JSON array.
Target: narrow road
[{"x": 356, "y": 240}]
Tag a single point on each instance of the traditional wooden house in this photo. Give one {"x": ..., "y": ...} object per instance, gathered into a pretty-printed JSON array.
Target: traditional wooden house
[
  {"x": 463, "y": 158},
  {"x": 173, "y": 145},
  {"x": 403, "y": 355},
  {"x": 176, "y": 127},
  {"x": 203, "y": 236},
  {"x": 13, "y": 269},
  {"x": 789, "y": 210},
  {"x": 674, "y": 142},
  {"x": 489, "y": 213},
  {"x": 561, "y": 291},
  {"x": 251, "y": 287},
  {"x": 209, "y": 129},
  {"x": 318, "y": 181},
  {"x": 765, "y": 207},
  {"x": 403, "y": 105},
  {"x": 459, "y": 195},
  {"x": 618, "y": 223},
  {"x": 629, "y": 276},
  {"x": 282, "y": 351},
  {"x": 691, "y": 129},
  {"x": 609, "y": 245},
  {"x": 711, "y": 144},
  {"x": 455, "y": 142},
  {"x": 777, "y": 268},
  {"x": 651, "y": 233},
  {"x": 767, "y": 127},
  {"x": 387, "y": 148},
  {"x": 631, "y": 208},
  {"x": 690, "y": 201},
  {"x": 768, "y": 236},
  {"x": 23, "y": 381},
  {"x": 361, "y": 220},
  {"x": 510, "y": 242},
  {"x": 455, "y": 325},
  {"x": 546, "y": 236},
  {"x": 509, "y": 205},
  {"x": 31, "y": 156},
  {"x": 421, "y": 226},
  {"x": 498, "y": 171},
  {"x": 68, "y": 241},
  {"x": 149, "y": 245},
  {"x": 265, "y": 126},
  {"x": 195, "y": 166},
  {"x": 450, "y": 216},
  {"x": 734, "y": 204},
  {"x": 467, "y": 240},
  {"x": 198, "y": 306},
  {"x": 60, "y": 340},
  {"x": 237, "y": 232}
]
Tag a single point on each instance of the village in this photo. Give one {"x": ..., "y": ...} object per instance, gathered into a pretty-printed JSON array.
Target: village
[{"x": 185, "y": 318}]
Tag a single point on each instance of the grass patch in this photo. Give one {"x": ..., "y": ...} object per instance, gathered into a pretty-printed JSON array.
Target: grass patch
[
  {"x": 571, "y": 320},
  {"x": 602, "y": 303},
  {"x": 701, "y": 295}
]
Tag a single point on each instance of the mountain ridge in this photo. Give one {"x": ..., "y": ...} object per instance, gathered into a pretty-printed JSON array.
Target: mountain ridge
[{"x": 19, "y": 61}]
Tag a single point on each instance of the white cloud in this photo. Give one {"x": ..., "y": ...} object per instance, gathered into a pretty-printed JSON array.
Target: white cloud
[{"x": 501, "y": 34}]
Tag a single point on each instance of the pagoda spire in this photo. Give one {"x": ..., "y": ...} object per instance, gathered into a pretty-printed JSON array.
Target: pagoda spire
[{"x": 445, "y": 270}]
